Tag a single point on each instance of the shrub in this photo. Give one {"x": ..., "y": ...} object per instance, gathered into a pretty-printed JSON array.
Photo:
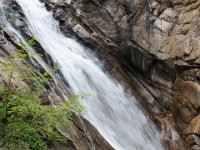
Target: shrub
[{"x": 24, "y": 122}]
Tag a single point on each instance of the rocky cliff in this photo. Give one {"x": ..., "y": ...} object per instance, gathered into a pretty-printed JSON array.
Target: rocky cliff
[
  {"x": 151, "y": 46},
  {"x": 156, "y": 42}
]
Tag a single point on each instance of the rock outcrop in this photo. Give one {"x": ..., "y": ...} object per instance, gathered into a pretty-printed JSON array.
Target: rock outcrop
[
  {"x": 152, "y": 47},
  {"x": 156, "y": 41}
]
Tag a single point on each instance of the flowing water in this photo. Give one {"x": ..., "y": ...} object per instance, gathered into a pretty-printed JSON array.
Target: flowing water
[{"x": 109, "y": 108}]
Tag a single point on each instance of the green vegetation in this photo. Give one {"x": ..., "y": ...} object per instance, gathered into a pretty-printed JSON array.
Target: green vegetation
[{"x": 24, "y": 121}]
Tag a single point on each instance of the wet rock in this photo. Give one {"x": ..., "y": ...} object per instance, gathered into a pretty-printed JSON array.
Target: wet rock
[
  {"x": 85, "y": 136},
  {"x": 2, "y": 39},
  {"x": 155, "y": 43},
  {"x": 154, "y": 40},
  {"x": 19, "y": 23}
]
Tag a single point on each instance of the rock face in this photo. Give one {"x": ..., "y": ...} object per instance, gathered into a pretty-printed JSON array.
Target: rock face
[
  {"x": 151, "y": 46},
  {"x": 85, "y": 136},
  {"x": 156, "y": 41}
]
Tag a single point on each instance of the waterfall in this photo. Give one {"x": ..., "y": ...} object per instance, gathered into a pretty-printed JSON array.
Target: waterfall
[{"x": 109, "y": 108}]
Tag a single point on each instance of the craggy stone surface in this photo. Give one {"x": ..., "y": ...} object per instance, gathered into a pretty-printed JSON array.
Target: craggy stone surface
[
  {"x": 157, "y": 41},
  {"x": 151, "y": 46}
]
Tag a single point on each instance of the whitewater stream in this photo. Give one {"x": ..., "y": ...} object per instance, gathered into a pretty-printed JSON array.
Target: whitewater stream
[{"x": 109, "y": 108}]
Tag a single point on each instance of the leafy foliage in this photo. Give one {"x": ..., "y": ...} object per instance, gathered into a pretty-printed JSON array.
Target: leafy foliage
[{"x": 24, "y": 122}]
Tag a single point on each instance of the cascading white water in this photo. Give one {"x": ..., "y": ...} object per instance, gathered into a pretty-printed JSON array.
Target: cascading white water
[{"x": 109, "y": 108}]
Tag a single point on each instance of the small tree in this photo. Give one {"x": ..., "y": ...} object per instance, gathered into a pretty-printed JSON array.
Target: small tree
[{"x": 24, "y": 122}]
